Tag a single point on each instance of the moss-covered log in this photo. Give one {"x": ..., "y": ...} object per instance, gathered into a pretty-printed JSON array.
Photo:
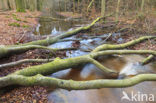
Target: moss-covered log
[
  {"x": 52, "y": 40},
  {"x": 23, "y": 77},
  {"x": 124, "y": 45},
  {"x": 147, "y": 60},
  {"x": 74, "y": 85},
  {"x": 9, "y": 50},
  {"x": 61, "y": 64}
]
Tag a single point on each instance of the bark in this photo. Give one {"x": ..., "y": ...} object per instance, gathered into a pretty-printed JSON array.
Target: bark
[
  {"x": 147, "y": 60},
  {"x": 33, "y": 75},
  {"x": 8, "y": 50},
  {"x": 7, "y": 65},
  {"x": 124, "y": 45},
  {"x": 49, "y": 41},
  {"x": 103, "y": 7},
  {"x": 20, "y": 5},
  {"x": 142, "y": 5},
  {"x": 62, "y": 64},
  {"x": 74, "y": 85},
  {"x": 90, "y": 4},
  {"x": 117, "y": 10}
]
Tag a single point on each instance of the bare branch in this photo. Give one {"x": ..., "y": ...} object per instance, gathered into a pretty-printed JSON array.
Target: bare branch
[{"x": 2, "y": 66}]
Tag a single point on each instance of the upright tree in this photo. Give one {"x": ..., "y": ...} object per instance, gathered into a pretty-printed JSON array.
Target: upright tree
[
  {"x": 103, "y": 7},
  {"x": 117, "y": 10}
]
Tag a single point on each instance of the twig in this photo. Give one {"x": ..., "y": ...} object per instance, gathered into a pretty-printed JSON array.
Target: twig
[
  {"x": 110, "y": 34},
  {"x": 147, "y": 60}
]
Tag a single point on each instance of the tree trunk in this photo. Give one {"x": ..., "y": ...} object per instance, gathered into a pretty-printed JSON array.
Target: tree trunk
[
  {"x": 33, "y": 75},
  {"x": 103, "y": 7},
  {"x": 58, "y": 64},
  {"x": 117, "y": 10},
  {"x": 142, "y": 5},
  {"x": 20, "y": 5},
  {"x": 9, "y": 50}
]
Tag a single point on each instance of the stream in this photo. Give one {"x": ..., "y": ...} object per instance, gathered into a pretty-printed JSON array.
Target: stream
[{"x": 127, "y": 65}]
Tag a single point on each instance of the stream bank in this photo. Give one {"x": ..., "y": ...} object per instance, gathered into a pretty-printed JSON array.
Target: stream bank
[{"x": 43, "y": 28}]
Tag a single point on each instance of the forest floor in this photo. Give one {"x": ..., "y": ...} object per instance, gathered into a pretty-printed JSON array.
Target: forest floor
[{"x": 16, "y": 28}]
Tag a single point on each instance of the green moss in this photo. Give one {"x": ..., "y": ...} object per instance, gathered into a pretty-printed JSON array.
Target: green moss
[
  {"x": 17, "y": 19},
  {"x": 25, "y": 26},
  {"x": 14, "y": 24},
  {"x": 7, "y": 16},
  {"x": 20, "y": 10},
  {"x": 3, "y": 51},
  {"x": 25, "y": 21},
  {"x": 13, "y": 14}
]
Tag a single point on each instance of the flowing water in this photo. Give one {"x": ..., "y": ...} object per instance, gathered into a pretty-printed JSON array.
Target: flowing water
[{"x": 127, "y": 65}]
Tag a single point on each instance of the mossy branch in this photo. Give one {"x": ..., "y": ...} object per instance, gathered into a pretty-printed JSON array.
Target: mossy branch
[
  {"x": 9, "y": 50},
  {"x": 124, "y": 45},
  {"x": 74, "y": 85},
  {"x": 101, "y": 67},
  {"x": 62, "y": 64},
  {"x": 49, "y": 41},
  {"x": 90, "y": 4},
  {"x": 21, "y": 77},
  {"x": 147, "y": 60}
]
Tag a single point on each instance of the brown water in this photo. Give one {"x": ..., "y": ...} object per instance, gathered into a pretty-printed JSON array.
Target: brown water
[{"x": 105, "y": 95}]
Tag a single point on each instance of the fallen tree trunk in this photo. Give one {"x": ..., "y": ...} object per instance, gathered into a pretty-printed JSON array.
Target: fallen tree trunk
[
  {"x": 9, "y": 50},
  {"x": 124, "y": 45},
  {"x": 39, "y": 44},
  {"x": 23, "y": 77},
  {"x": 49, "y": 41},
  {"x": 61, "y": 64},
  {"x": 73, "y": 85},
  {"x": 19, "y": 78}
]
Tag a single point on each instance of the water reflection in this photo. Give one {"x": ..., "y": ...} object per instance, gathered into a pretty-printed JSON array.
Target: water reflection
[
  {"x": 49, "y": 9},
  {"x": 124, "y": 64}
]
